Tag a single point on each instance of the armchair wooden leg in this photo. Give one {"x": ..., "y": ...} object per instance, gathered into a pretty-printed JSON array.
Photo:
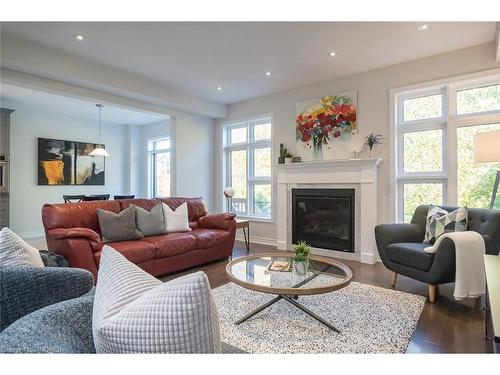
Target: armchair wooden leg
[
  {"x": 433, "y": 292},
  {"x": 394, "y": 279}
]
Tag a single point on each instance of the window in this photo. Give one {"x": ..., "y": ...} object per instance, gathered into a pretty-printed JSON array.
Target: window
[
  {"x": 159, "y": 167},
  {"x": 435, "y": 127},
  {"x": 248, "y": 155}
]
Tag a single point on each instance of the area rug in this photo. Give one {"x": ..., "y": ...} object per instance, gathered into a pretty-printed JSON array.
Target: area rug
[{"x": 371, "y": 320}]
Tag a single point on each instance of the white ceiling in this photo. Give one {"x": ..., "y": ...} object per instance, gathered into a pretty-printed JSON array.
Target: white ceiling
[
  {"x": 198, "y": 57},
  {"x": 19, "y": 97}
]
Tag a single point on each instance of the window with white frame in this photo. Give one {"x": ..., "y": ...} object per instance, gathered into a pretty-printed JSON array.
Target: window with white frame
[
  {"x": 434, "y": 133},
  {"x": 159, "y": 167},
  {"x": 248, "y": 155}
]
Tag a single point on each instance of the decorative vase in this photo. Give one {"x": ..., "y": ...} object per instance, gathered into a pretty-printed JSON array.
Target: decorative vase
[
  {"x": 301, "y": 268},
  {"x": 317, "y": 152},
  {"x": 370, "y": 155}
]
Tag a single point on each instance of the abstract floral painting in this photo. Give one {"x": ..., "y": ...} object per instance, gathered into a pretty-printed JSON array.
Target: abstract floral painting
[
  {"x": 68, "y": 163},
  {"x": 324, "y": 125}
]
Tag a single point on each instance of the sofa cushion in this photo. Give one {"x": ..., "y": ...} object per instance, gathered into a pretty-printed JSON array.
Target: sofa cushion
[
  {"x": 14, "y": 251},
  {"x": 410, "y": 254},
  {"x": 118, "y": 227},
  {"x": 206, "y": 238},
  {"x": 134, "y": 251},
  {"x": 150, "y": 223},
  {"x": 76, "y": 215},
  {"x": 137, "y": 313},
  {"x": 168, "y": 245}
]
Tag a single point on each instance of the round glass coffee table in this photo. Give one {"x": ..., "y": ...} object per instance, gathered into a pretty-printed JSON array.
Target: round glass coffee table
[{"x": 256, "y": 272}]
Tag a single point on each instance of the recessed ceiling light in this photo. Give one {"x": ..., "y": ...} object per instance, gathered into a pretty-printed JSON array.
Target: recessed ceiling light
[
  {"x": 332, "y": 54},
  {"x": 78, "y": 37},
  {"x": 423, "y": 27},
  {"x": 219, "y": 88},
  {"x": 268, "y": 74}
]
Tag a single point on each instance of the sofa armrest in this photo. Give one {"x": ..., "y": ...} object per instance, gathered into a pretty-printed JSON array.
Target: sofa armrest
[
  {"x": 85, "y": 233},
  {"x": 77, "y": 251},
  {"x": 216, "y": 221},
  {"x": 26, "y": 289}
]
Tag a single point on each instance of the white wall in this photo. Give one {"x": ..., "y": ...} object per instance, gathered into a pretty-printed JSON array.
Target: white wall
[
  {"x": 139, "y": 164},
  {"x": 373, "y": 110},
  {"x": 192, "y": 155},
  {"x": 194, "y": 139},
  {"x": 26, "y": 197}
]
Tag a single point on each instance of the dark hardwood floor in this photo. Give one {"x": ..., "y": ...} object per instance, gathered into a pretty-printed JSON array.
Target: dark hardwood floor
[{"x": 447, "y": 326}]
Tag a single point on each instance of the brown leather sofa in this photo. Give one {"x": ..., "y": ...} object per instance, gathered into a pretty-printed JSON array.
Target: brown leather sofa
[{"x": 72, "y": 230}]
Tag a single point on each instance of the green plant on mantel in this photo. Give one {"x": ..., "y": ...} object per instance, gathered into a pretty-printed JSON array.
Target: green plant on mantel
[
  {"x": 302, "y": 251},
  {"x": 284, "y": 153}
]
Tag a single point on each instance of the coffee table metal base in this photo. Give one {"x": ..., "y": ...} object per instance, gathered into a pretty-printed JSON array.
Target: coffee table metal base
[{"x": 292, "y": 300}]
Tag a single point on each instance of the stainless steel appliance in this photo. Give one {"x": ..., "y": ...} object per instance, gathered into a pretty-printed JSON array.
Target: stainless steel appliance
[
  {"x": 4, "y": 174},
  {"x": 4, "y": 166}
]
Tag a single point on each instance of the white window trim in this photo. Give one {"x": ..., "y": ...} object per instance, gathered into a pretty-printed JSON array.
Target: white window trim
[
  {"x": 249, "y": 146},
  {"x": 450, "y": 119},
  {"x": 151, "y": 153}
]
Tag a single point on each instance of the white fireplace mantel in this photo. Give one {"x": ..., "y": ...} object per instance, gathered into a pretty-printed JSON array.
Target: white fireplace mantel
[{"x": 358, "y": 173}]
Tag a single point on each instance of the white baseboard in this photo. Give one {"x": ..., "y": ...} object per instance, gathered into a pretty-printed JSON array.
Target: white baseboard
[
  {"x": 258, "y": 240},
  {"x": 363, "y": 257}
]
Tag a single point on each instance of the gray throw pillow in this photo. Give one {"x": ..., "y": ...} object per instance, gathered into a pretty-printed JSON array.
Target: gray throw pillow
[
  {"x": 151, "y": 222},
  {"x": 118, "y": 227}
]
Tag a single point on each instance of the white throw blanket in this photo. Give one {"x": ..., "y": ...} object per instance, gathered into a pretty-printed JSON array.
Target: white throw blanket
[{"x": 470, "y": 278}]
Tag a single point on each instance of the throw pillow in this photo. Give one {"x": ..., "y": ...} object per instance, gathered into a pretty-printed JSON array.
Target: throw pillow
[
  {"x": 176, "y": 221},
  {"x": 136, "y": 313},
  {"x": 151, "y": 222},
  {"x": 14, "y": 251},
  {"x": 118, "y": 227},
  {"x": 440, "y": 221}
]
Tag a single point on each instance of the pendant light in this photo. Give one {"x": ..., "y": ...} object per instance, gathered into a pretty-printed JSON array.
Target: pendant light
[{"x": 99, "y": 151}]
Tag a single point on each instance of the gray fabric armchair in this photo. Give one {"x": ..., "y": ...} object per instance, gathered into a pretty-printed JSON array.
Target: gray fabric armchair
[
  {"x": 49, "y": 310},
  {"x": 401, "y": 247},
  {"x": 41, "y": 312},
  {"x": 27, "y": 289}
]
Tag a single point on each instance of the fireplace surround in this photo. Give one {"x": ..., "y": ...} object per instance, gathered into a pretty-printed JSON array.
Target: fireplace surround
[
  {"x": 359, "y": 175},
  {"x": 324, "y": 218}
]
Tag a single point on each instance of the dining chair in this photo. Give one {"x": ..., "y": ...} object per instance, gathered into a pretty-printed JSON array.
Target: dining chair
[
  {"x": 97, "y": 197},
  {"x": 73, "y": 198},
  {"x": 123, "y": 197}
]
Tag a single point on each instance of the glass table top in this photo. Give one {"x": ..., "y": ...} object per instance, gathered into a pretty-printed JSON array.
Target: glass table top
[{"x": 256, "y": 272}]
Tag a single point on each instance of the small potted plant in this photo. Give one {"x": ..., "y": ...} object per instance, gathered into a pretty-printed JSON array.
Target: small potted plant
[
  {"x": 288, "y": 157},
  {"x": 372, "y": 140},
  {"x": 281, "y": 158},
  {"x": 300, "y": 260}
]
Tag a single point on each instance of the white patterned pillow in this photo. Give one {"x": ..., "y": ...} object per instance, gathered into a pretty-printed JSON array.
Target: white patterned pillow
[
  {"x": 137, "y": 313},
  {"x": 440, "y": 221},
  {"x": 14, "y": 251}
]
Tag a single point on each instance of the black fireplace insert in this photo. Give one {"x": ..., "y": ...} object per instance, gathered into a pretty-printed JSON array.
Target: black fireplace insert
[{"x": 324, "y": 218}]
